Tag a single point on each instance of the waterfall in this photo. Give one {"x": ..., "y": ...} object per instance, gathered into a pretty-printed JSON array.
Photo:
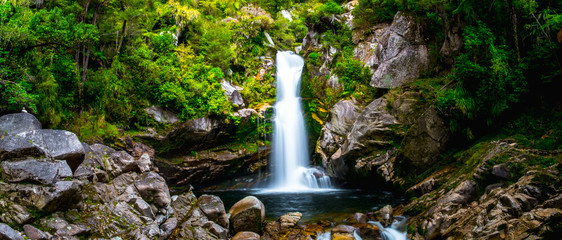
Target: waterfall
[
  {"x": 290, "y": 151},
  {"x": 396, "y": 231}
]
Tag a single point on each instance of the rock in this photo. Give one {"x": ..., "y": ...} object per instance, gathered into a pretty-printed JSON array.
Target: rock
[
  {"x": 200, "y": 133},
  {"x": 245, "y": 113},
  {"x": 63, "y": 145},
  {"x": 463, "y": 193},
  {"x": 232, "y": 92},
  {"x": 168, "y": 226},
  {"x": 197, "y": 226},
  {"x": 511, "y": 204},
  {"x": 120, "y": 162},
  {"x": 217, "y": 230},
  {"x": 60, "y": 196},
  {"x": 527, "y": 202},
  {"x": 500, "y": 171},
  {"x": 213, "y": 207},
  {"x": 143, "y": 207},
  {"x": 6, "y": 232},
  {"x": 385, "y": 215},
  {"x": 334, "y": 82},
  {"x": 12, "y": 124},
  {"x": 182, "y": 204},
  {"x": 357, "y": 218},
  {"x": 137, "y": 149},
  {"x": 118, "y": 219},
  {"x": 162, "y": 115},
  {"x": 58, "y": 144},
  {"x": 86, "y": 169},
  {"x": 33, "y": 233},
  {"x": 13, "y": 213},
  {"x": 207, "y": 166},
  {"x": 426, "y": 140},
  {"x": 246, "y": 236},
  {"x": 144, "y": 163},
  {"x": 289, "y": 220},
  {"x": 367, "y": 145},
  {"x": 343, "y": 115},
  {"x": 401, "y": 55},
  {"x": 247, "y": 215},
  {"x": 426, "y": 186},
  {"x": 555, "y": 202},
  {"x": 370, "y": 128},
  {"x": 343, "y": 229},
  {"x": 453, "y": 41},
  {"x": 152, "y": 187},
  {"x": 15, "y": 147},
  {"x": 37, "y": 170},
  {"x": 42, "y": 198}
]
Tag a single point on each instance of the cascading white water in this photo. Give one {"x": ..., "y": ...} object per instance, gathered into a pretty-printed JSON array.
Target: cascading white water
[
  {"x": 396, "y": 231},
  {"x": 290, "y": 150}
]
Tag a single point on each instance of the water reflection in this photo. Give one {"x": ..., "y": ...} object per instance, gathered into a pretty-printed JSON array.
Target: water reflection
[{"x": 313, "y": 205}]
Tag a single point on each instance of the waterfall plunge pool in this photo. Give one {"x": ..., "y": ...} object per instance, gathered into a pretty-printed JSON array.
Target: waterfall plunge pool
[{"x": 334, "y": 205}]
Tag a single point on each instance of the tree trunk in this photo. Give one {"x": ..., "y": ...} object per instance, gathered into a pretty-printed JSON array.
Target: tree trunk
[
  {"x": 122, "y": 36},
  {"x": 513, "y": 16}
]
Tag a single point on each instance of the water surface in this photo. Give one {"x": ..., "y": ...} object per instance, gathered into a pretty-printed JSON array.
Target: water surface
[{"x": 333, "y": 205}]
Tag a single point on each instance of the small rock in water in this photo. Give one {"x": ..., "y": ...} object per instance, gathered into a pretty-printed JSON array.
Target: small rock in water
[
  {"x": 357, "y": 218},
  {"x": 289, "y": 220},
  {"x": 385, "y": 215}
]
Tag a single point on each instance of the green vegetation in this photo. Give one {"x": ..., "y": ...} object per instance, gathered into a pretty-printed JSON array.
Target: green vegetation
[{"x": 93, "y": 66}]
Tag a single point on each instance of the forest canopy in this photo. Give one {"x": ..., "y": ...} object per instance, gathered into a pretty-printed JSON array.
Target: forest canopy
[{"x": 97, "y": 64}]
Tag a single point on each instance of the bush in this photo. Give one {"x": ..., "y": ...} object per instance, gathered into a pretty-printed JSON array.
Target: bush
[
  {"x": 370, "y": 12},
  {"x": 487, "y": 79}
]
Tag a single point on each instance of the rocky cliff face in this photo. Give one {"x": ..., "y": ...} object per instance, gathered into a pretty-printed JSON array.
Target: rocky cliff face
[
  {"x": 397, "y": 53},
  {"x": 364, "y": 143},
  {"x": 498, "y": 191},
  {"x": 107, "y": 194},
  {"x": 204, "y": 151}
]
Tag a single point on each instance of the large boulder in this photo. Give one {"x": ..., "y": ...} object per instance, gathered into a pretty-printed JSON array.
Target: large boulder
[
  {"x": 343, "y": 115},
  {"x": 12, "y": 124},
  {"x": 43, "y": 198},
  {"x": 371, "y": 128},
  {"x": 192, "y": 217},
  {"x": 15, "y": 147},
  {"x": 58, "y": 144},
  {"x": 247, "y": 215},
  {"x": 397, "y": 54},
  {"x": 213, "y": 207},
  {"x": 232, "y": 93},
  {"x": 101, "y": 157},
  {"x": 426, "y": 140},
  {"x": 36, "y": 170},
  {"x": 152, "y": 187},
  {"x": 121, "y": 162},
  {"x": 162, "y": 115},
  {"x": 361, "y": 140},
  {"x": 246, "y": 236}
]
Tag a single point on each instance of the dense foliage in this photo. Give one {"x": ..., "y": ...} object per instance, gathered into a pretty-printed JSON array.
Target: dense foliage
[{"x": 90, "y": 65}]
